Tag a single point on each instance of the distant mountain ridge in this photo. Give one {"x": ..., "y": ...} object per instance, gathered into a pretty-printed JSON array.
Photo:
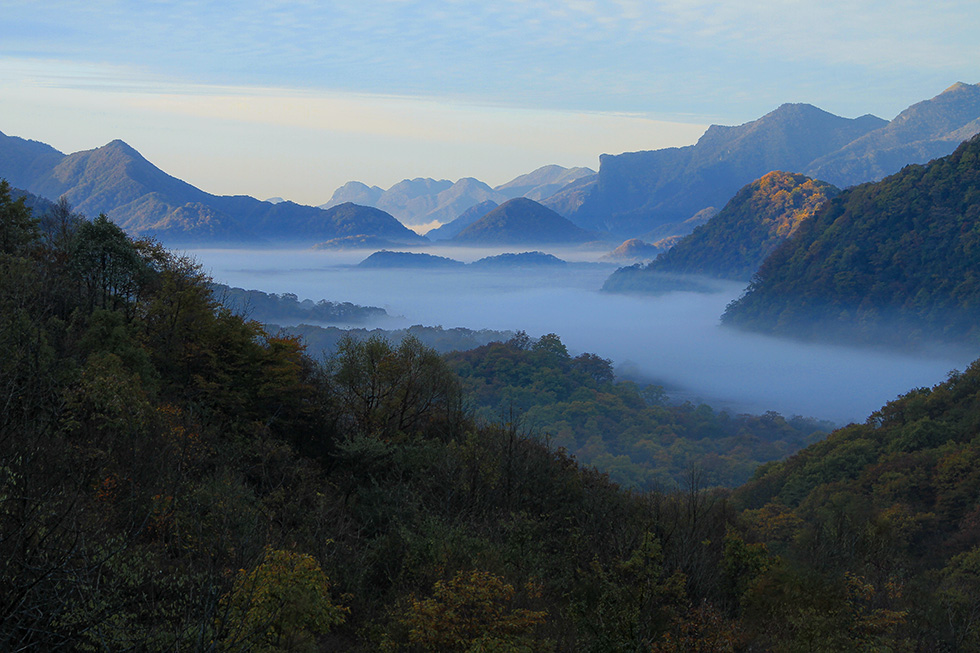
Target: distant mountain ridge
[
  {"x": 651, "y": 195},
  {"x": 635, "y": 192},
  {"x": 925, "y": 131},
  {"x": 145, "y": 201},
  {"x": 421, "y": 201}
]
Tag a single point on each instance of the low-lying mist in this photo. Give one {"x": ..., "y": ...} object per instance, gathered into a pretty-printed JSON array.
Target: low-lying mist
[{"x": 673, "y": 339}]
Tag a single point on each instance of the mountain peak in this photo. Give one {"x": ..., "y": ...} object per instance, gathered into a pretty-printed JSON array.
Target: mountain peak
[
  {"x": 118, "y": 145},
  {"x": 958, "y": 86},
  {"x": 522, "y": 220}
]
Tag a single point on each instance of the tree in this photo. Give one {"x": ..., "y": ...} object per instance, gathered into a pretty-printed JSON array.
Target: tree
[
  {"x": 389, "y": 390},
  {"x": 18, "y": 228},
  {"x": 474, "y": 611},
  {"x": 280, "y": 605},
  {"x": 107, "y": 265}
]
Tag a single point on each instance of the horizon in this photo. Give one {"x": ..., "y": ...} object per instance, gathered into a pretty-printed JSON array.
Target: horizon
[{"x": 295, "y": 101}]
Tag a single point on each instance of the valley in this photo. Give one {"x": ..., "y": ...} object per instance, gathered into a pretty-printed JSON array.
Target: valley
[
  {"x": 242, "y": 425},
  {"x": 674, "y": 340}
]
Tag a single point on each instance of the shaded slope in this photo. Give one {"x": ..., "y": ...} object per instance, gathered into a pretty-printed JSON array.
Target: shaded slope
[
  {"x": 465, "y": 219},
  {"x": 117, "y": 180},
  {"x": 24, "y": 161}
]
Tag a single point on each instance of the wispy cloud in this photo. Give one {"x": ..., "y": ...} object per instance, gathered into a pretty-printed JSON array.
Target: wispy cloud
[
  {"x": 474, "y": 82},
  {"x": 523, "y": 52}
]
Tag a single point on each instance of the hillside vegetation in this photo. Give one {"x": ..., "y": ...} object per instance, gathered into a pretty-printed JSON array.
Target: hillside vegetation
[
  {"x": 735, "y": 242},
  {"x": 894, "y": 261},
  {"x": 175, "y": 478},
  {"x": 633, "y": 433}
]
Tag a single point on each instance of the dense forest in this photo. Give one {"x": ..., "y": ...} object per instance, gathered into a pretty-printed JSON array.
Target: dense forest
[
  {"x": 630, "y": 432},
  {"x": 734, "y": 243},
  {"x": 173, "y": 477},
  {"x": 889, "y": 262}
]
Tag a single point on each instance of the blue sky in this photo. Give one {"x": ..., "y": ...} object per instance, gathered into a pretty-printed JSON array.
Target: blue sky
[{"x": 295, "y": 98}]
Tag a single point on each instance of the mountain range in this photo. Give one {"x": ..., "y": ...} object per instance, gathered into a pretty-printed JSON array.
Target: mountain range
[
  {"x": 145, "y": 201},
  {"x": 423, "y": 201},
  {"x": 636, "y": 192},
  {"x": 652, "y": 195}
]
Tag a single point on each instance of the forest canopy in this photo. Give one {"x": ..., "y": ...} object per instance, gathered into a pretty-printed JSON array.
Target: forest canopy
[{"x": 175, "y": 477}]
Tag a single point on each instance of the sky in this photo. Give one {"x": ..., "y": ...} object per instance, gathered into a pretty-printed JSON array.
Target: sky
[{"x": 294, "y": 98}]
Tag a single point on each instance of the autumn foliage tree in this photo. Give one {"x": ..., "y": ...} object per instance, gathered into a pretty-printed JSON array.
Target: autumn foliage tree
[{"x": 474, "y": 611}]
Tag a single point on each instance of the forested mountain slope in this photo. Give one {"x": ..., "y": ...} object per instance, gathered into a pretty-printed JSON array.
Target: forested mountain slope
[
  {"x": 633, "y": 433},
  {"x": 879, "y": 524},
  {"x": 894, "y": 261},
  {"x": 735, "y": 242}
]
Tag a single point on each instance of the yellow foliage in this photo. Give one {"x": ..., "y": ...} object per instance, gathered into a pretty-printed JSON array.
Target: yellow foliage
[
  {"x": 281, "y": 605},
  {"x": 474, "y": 612}
]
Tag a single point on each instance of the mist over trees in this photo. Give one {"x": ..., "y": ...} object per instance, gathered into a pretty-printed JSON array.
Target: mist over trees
[{"x": 176, "y": 476}]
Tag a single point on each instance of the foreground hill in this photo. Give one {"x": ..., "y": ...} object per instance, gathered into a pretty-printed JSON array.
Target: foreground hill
[
  {"x": 176, "y": 478},
  {"x": 116, "y": 180},
  {"x": 894, "y": 261},
  {"x": 877, "y": 526},
  {"x": 735, "y": 242},
  {"x": 636, "y": 192},
  {"x": 173, "y": 477},
  {"x": 521, "y": 221}
]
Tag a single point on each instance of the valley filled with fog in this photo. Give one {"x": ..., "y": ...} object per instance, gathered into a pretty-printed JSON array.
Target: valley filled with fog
[{"x": 673, "y": 340}]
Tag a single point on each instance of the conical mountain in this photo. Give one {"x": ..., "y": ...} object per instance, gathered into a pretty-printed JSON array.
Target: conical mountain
[
  {"x": 522, "y": 221},
  {"x": 462, "y": 221},
  {"x": 117, "y": 180}
]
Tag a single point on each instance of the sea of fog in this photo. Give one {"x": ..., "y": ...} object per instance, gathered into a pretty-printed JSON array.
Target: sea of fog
[{"x": 674, "y": 339}]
